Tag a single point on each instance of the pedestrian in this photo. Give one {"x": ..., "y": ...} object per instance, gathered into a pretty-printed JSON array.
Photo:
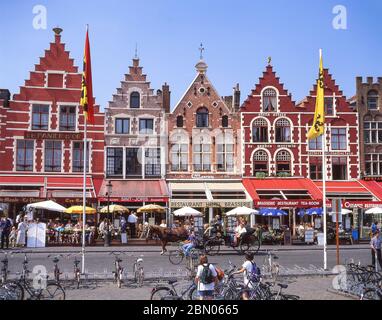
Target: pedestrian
[
  {"x": 189, "y": 244},
  {"x": 12, "y": 237},
  {"x": 21, "y": 233},
  {"x": 5, "y": 227},
  {"x": 132, "y": 220},
  {"x": 251, "y": 273},
  {"x": 376, "y": 249},
  {"x": 206, "y": 279},
  {"x": 20, "y": 217},
  {"x": 374, "y": 227}
]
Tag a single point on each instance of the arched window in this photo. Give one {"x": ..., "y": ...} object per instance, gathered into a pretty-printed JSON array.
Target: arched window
[
  {"x": 283, "y": 163},
  {"x": 260, "y": 162},
  {"x": 260, "y": 130},
  {"x": 270, "y": 100},
  {"x": 225, "y": 122},
  {"x": 283, "y": 131},
  {"x": 202, "y": 116},
  {"x": 372, "y": 100},
  {"x": 179, "y": 122},
  {"x": 135, "y": 100}
]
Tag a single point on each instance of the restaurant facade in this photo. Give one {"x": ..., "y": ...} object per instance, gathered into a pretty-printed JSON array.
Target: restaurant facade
[
  {"x": 135, "y": 143},
  {"x": 41, "y": 137}
]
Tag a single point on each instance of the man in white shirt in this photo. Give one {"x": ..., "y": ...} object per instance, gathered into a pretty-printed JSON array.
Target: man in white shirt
[{"x": 132, "y": 220}]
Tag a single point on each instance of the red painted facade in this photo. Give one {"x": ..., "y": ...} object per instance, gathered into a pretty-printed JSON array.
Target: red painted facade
[
  {"x": 46, "y": 111},
  {"x": 275, "y": 130}
]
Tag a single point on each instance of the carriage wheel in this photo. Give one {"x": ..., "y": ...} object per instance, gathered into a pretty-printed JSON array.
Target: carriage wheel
[
  {"x": 255, "y": 246},
  {"x": 212, "y": 248},
  {"x": 244, "y": 248}
]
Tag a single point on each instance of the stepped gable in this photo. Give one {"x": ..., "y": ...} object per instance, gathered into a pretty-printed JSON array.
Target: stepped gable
[{"x": 269, "y": 79}]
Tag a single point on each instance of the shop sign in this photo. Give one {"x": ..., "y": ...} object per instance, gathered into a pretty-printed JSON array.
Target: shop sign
[
  {"x": 210, "y": 204},
  {"x": 288, "y": 203},
  {"x": 53, "y": 136},
  {"x": 134, "y": 200},
  {"x": 361, "y": 204}
]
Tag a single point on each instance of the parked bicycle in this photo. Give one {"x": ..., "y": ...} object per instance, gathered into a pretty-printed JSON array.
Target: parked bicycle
[
  {"x": 138, "y": 271},
  {"x": 37, "y": 289},
  {"x": 169, "y": 292},
  {"x": 118, "y": 273},
  {"x": 57, "y": 273}
]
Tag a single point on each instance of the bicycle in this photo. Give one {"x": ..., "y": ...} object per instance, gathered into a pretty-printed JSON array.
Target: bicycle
[
  {"x": 4, "y": 268},
  {"x": 169, "y": 292},
  {"x": 270, "y": 267},
  {"x": 177, "y": 256},
  {"x": 118, "y": 273},
  {"x": 57, "y": 272},
  {"x": 138, "y": 271},
  {"x": 38, "y": 289}
]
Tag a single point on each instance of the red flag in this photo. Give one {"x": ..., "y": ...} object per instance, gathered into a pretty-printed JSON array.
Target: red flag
[{"x": 87, "y": 100}]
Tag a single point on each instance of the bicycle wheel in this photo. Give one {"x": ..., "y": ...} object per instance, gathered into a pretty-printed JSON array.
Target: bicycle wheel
[
  {"x": 15, "y": 289},
  {"x": 161, "y": 293},
  {"x": 194, "y": 294},
  {"x": 371, "y": 294},
  {"x": 52, "y": 291},
  {"x": 139, "y": 277},
  {"x": 119, "y": 279},
  {"x": 176, "y": 257}
]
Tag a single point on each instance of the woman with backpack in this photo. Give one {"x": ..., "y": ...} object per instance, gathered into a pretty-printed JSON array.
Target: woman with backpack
[
  {"x": 251, "y": 273},
  {"x": 206, "y": 279}
]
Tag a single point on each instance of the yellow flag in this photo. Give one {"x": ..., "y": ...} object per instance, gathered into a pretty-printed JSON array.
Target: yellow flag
[{"x": 319, "y": 117}]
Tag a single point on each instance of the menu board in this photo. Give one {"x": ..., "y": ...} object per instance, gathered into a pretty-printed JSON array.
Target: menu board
[
  {"x": 36, "y": 235},
  {"x": 309, "y": 236}
]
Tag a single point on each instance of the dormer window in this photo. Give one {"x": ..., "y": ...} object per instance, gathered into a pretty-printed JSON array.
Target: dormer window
[
  {"x": 202, "y": 118},
  {"x": 135, "y": 100},
  {"x": 270, "y": 100}
]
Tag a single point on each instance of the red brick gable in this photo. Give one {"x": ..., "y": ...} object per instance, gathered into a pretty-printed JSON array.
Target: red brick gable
[{"x": 269, "y": 79}]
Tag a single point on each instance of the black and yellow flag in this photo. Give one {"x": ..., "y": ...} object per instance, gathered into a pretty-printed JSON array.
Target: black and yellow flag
[
  {"x": 319, "y": 117},
  {"x": 87, "y": 100}
]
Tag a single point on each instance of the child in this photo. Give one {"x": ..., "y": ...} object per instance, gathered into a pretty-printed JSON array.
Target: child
[{"x": 13, "y": 237}]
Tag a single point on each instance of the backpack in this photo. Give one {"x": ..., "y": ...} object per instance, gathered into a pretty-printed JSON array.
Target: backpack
[
  {"x": 206, "y": 276},
  {"x": 255, "y": 274},
  {"x": 220, "y": 273}
]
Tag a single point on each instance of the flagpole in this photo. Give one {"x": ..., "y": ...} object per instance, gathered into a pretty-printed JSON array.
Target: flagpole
[
  {"x": 84, "y": 197},
  {"x": 324, "y": 177}
]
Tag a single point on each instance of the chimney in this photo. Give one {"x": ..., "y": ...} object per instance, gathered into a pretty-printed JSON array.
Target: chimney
[
  {"x": 166, "y": 97},
  {"x": 236, "y": 97},
  {"x": 6, "y": 96}
]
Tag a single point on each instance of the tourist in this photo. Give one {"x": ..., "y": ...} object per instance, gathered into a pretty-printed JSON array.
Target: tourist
[
  {"x": 376, "y": 249},
  {"x": 21, "y": 233},
  {"x": 206, "y": 279},
  {"x": 5, "y": 229},
  {"x": 13, "y": 237},
  {"x": 20, "y": 217},
  {"x": 189, "y": 244},
  {"x": 239, "y": 231},
  {"x": 251, "y": 273},
  {"x": 163, "y": 224},
  {"x": 132, "y": 220}
]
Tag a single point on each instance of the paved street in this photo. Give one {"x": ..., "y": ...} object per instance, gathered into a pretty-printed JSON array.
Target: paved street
[{"x": 99, "y": 261}]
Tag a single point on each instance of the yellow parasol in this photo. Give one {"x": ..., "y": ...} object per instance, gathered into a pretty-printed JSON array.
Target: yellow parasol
[
  {"x": 152, "y": 208},
  {"x": 114, "y": 209},
  {"x": 80, "y": 210}
]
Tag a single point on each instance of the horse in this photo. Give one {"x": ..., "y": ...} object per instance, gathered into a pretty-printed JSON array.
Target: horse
[{"x": 167, "y": 235}]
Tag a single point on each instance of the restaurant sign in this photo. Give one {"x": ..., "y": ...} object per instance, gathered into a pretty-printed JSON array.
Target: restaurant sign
[
  {"x": 53, "y": 136},
  {"x": 287, "y": 203},
  {"x": 210, "y": 204},
  {"x": 136, "y": 200}
]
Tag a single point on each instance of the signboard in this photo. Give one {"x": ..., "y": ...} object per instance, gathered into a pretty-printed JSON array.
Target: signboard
[
  {"x": 309, "y": 236},
  {"x": 276, "y": 224},
  {"x": 36, "y": 235},
  {"x": 210, "y": 204},
  {"x": 287, "y": 203},
  {"x": 134, "y": 200},
  {"x": 53, "y": 136},
  {"x": 317, "y": 223},
  {"x": 337, "y": 208}
]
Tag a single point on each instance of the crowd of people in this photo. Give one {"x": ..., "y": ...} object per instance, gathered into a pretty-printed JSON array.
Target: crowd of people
[{"x": 14, "y": 233}]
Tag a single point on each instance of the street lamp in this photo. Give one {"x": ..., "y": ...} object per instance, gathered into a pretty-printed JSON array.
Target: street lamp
[{"x": 107, "y": 235}]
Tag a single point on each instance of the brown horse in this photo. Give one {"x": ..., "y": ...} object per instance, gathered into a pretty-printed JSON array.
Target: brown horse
[{"x": 167, "y": 235}]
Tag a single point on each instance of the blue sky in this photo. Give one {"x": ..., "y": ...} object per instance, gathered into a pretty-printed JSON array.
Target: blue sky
[{"x": 238, "y": 37}]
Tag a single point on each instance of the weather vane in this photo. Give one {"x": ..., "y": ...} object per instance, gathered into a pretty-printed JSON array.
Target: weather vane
[
  {"x": 269, "y": 60},
  {"x": 201, "y": 49}
]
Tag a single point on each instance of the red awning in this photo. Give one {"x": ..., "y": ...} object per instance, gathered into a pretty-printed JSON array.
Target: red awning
[
  {"x": 135, "y": 191},
  {"x": 22, "y": 181},
  {"x": 283, "y": 192},
  {"x": 374, "y": 187},
  {"x": 344, "y": 187},
  {"x": 68, "y": 183}
]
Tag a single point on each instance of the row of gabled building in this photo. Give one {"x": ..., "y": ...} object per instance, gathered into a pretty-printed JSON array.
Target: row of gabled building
[{"x": 209, "y": 152}]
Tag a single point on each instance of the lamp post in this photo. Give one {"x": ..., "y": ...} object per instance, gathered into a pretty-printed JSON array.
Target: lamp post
[{"x": 109, "y": 188}]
